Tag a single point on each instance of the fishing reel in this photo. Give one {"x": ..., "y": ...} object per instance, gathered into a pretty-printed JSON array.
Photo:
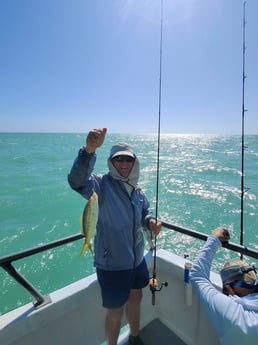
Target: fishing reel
[{"x": 155, "y": 285}]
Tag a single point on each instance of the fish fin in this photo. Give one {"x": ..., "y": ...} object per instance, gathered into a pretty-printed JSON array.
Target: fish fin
[{"x": 84, "y": 247}]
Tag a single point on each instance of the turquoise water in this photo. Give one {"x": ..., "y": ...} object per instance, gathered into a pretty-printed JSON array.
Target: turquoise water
[{"x": 199, "y": 189}]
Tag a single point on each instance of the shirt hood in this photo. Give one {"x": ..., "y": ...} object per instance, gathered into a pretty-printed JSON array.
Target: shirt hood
[{"x": 131, "y": 179}]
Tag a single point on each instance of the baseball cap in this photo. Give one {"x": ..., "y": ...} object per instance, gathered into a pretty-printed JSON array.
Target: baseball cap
[
  {"x": 237, "y": 270},
  {"x": 121, "y": 149}
]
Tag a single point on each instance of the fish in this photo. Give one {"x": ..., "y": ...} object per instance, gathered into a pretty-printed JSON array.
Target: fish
[{"x": 89, "y": 221}]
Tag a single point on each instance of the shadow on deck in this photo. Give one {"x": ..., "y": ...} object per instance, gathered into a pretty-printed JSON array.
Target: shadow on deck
[{"x": 157, "y": 333}]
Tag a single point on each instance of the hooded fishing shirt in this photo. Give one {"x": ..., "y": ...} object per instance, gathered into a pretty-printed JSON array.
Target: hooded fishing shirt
[
  {"x": 123, "y": 212},
  {"x": 235, "y": 319}
]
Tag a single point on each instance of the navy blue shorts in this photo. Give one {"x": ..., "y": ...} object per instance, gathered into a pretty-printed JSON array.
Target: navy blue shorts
[{"x": 116, "y": 285}]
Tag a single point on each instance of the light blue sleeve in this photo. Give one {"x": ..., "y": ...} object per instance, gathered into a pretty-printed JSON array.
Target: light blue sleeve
[
  {"x": 81, "y": 177},
  {"x": 221, "y": 309}
]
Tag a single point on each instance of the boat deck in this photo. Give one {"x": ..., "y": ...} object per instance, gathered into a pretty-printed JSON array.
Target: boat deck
[{"x": 157, "y": 333}]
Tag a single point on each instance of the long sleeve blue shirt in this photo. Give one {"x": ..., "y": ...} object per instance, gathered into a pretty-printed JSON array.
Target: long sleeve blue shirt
[
  {"x": 119, "y": 241},
  {"x": 235, "y": 319}
]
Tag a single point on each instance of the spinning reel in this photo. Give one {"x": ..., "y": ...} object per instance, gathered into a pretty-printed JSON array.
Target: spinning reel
[{"x": 155, "y": 286}]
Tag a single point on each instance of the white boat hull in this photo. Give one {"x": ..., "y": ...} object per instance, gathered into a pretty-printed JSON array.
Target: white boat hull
[{"x": 75, "y": 315}]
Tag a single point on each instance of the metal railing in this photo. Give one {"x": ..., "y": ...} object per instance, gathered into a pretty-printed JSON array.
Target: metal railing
[
  {"x": 40, "y": 300},
  {"x": 231, "y": 246},
  {"x": 6, "y": 264}
]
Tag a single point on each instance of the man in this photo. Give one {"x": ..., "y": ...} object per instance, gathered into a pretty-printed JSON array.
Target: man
[
  {"x": 233, "y": 313},
  {"x": 118, "y": 245}
]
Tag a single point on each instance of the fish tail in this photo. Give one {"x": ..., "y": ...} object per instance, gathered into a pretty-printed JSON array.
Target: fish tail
[
  {"x": 84, "y": 247},
  {"x": 91, "y": 250}
]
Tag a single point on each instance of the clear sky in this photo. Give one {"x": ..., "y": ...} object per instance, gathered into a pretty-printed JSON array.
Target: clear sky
[{"x": 73, "y": 65}]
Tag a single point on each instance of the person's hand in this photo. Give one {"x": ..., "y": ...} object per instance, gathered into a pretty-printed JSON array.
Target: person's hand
[
  {"x": 95, "y": 138},
  {"x": 155, "y": 226},
  {"x": 221, "y": 233}
]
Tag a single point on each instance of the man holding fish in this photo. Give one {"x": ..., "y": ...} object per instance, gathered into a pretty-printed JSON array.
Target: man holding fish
[{"x": 122, "y": 215}]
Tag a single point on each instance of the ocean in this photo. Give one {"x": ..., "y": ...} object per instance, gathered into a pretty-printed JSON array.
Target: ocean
[{"x": 199, "y": 188}]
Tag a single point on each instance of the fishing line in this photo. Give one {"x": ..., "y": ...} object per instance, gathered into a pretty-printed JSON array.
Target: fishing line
[{"x": 154, "y": 286}]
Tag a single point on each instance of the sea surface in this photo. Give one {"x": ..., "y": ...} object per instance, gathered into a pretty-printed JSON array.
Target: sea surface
[{"x": 198, "y": 188}]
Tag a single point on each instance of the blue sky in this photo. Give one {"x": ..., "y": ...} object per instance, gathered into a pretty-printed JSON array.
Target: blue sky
[{"x": 73, "y": 65}]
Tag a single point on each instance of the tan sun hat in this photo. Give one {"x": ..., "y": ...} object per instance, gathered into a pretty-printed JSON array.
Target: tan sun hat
[{"x": 121, "y": 149}]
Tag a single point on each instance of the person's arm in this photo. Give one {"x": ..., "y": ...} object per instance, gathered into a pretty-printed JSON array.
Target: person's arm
[
  {"x": 150, "y": 224},
  {"x": 200, "y": 272},
  {"x": 84, "y": 163},
  {"x": 81, "y": 170},
  {"x": 220, "y": 309}
]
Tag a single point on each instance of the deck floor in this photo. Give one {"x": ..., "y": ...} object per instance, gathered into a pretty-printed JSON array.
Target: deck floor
[{"x": 157, "y": 333}]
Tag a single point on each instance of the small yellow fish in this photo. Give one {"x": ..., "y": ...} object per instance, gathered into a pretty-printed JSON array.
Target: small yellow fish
[{"x": 89, "y": 221}]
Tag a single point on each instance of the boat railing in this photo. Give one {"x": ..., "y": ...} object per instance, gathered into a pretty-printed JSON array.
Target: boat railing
[
  {"x": 40, "y": 300},
  {"x": 6, "y": 264},
  {"x": 231, "y": 246}
]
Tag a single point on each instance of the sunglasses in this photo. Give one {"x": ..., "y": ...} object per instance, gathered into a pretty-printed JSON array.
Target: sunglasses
[{"x": 121, "y": 159}]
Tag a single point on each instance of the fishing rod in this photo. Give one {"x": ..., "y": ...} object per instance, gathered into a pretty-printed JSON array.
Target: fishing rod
[
  {"x": 243, "y": 134},
  {"x": 153, "y": 283}
]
